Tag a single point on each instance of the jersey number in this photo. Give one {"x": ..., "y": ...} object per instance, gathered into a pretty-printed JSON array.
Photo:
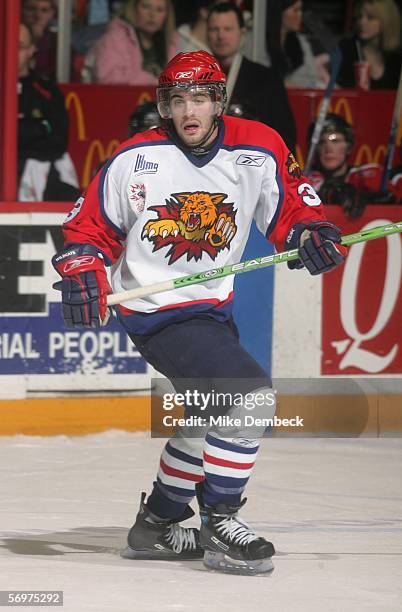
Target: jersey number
[{"x": 308, "y": 194}]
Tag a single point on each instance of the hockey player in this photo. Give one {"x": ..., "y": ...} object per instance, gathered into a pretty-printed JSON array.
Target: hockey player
[
  {"x": 144, "y": 117},
  {"x": 334, "y": 179},
  {"x": 173, "y": 201}
]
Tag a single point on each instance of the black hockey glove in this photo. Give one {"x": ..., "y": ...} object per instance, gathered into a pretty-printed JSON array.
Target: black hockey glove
[
  {"x": 84, "y": 286},
  {"x": 319, "y": 246}
]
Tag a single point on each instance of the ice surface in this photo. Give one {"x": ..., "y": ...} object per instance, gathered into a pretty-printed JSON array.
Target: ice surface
[{"x": 332, "y": 507}]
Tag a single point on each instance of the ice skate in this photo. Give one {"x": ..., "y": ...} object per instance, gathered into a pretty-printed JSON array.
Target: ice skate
[
  {"x": 230, "y": 545},
  {"x": 150, "y": 539}
]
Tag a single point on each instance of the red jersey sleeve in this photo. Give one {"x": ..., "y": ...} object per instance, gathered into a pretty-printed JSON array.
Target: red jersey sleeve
[
  {"x": 287, "y": 197},
  {"x": 87, "y": 223}
]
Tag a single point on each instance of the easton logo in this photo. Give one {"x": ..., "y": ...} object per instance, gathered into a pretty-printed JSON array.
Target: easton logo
[
  {"x": 250, "y": 160},
  {"x": 142, "y": 166}
]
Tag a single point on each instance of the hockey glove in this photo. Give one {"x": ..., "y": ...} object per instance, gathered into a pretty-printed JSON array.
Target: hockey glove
[
  {"x": 319, "y": 246},
  {"x": 84, "y": 286}
]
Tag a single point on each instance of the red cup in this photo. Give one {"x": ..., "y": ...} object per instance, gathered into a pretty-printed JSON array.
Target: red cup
[{"x": 362, "y": 75}]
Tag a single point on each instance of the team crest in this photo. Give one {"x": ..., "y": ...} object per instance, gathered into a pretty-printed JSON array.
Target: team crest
[
  {"x": 292, "y": 166},
  {"x": 137, "y": 197},
  {"x": 191, "y": 224}
]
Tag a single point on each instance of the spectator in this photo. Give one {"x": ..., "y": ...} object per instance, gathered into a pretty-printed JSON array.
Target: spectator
[
  {"x": 377, "y": 41},
  {"x": 193, "y": 35},
  {"x": 136, "y": 45},
  {"x": 254, "y": 91},
  {"x": 39, "y": 16},
  {"x": 45, "y": 170},
  {"x": 334, "y": 179},
  {"x": 145, "y": 117},
  {"x": 290, "y": 50}
]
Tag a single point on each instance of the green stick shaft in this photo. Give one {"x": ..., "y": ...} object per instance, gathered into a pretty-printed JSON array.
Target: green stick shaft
[{"x": 246, "y": 266}]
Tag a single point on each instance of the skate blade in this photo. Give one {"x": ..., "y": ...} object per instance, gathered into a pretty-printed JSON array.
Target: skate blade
[
  {"x": 157, "y": 555},
  {"x": 219, "y": 562}
]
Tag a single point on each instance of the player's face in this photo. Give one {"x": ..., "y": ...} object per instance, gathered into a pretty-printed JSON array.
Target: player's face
[
  {"x": 368, "y": 26},
  {"x": 333, "y": 151},
  {"x": 150, "y": 15},
  {"x": 26, "y": 51},
  {"x": 292, "y": 17},
  {"x": 192, "y": 114},
  {"x": 224, "y": 35}
]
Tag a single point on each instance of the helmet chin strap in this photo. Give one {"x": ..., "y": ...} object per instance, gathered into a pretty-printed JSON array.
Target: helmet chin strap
[{"x": 197, "y": 149}]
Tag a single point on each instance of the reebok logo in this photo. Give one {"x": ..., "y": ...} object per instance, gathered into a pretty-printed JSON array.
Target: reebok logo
[
  {"x": 250, "y": 160},
  {"x": 72, "y": 264},
  {"x": 184, "y": 74},
  {"x": 142, "y": 166}
]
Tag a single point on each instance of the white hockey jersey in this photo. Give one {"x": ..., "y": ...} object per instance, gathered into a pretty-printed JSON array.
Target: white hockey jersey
[{"x": 157, "y": 212}]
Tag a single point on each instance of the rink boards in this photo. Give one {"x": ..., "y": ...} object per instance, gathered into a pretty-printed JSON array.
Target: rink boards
[{"x": 343, "y": 324}]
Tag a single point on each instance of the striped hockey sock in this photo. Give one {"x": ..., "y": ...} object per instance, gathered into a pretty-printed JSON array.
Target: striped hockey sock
[
  {"x": 179, "y": 471},
  {"x": 227, "y": 466}
]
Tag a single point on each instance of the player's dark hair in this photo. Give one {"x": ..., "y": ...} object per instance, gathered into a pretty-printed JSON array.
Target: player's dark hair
[{"x": 228, "y": 7}]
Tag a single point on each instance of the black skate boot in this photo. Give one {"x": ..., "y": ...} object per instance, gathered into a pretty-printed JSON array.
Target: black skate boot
[
  {"x": 150, "y": 539},
  {"x": 230, "y": 545}
]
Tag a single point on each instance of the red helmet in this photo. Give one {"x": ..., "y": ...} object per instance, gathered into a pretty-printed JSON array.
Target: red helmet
[{"x": 192, "y": 70}]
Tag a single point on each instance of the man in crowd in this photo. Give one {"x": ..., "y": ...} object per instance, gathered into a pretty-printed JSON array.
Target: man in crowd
[
  {"x": 254, "y": 91},
  {"x": 45, "y": 170}
]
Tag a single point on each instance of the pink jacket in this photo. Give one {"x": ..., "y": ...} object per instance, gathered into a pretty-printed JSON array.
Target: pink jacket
[{"x": 118, "y": 58}]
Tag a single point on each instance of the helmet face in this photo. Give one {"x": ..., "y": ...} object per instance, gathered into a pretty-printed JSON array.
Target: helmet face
[
  {"x": 145, "y": 116},
  {"x": 192, "y": 72}
]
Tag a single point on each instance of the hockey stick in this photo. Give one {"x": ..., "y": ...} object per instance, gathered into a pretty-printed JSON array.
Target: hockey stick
[
  {"x": 245, "y": 266},
  {"x": 389, "y": 156},
  {"x": 336, "y": 57}
]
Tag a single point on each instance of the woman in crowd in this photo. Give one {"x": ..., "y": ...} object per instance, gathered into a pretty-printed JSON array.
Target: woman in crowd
[
  {"x": 136, "y": 45},
  {"x": 290, "y": 50},
  {"x": 193, "y": 35},
  {"x": 377, "y": 40}
]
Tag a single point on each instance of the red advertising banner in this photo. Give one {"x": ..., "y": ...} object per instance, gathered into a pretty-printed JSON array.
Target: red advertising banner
[
  {"x": 99, "y": 122},
  {"x": 368, "y": 112},
  {"x": 99, "y": 119},
  {"x": 362, "y": 301}
]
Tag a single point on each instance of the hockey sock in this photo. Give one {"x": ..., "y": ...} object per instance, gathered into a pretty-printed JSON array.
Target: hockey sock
[
  {"x": 174, "y": 488},
  {"x": 228, "y": 463}
]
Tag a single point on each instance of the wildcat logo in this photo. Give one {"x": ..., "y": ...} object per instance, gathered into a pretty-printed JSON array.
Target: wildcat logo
[
  {"x": 192, "y": 223},
  {"x": 293, "y": 167}
]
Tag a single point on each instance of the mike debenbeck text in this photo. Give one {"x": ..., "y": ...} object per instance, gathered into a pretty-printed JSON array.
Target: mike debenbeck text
[{"x": 227, "y": 421}]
